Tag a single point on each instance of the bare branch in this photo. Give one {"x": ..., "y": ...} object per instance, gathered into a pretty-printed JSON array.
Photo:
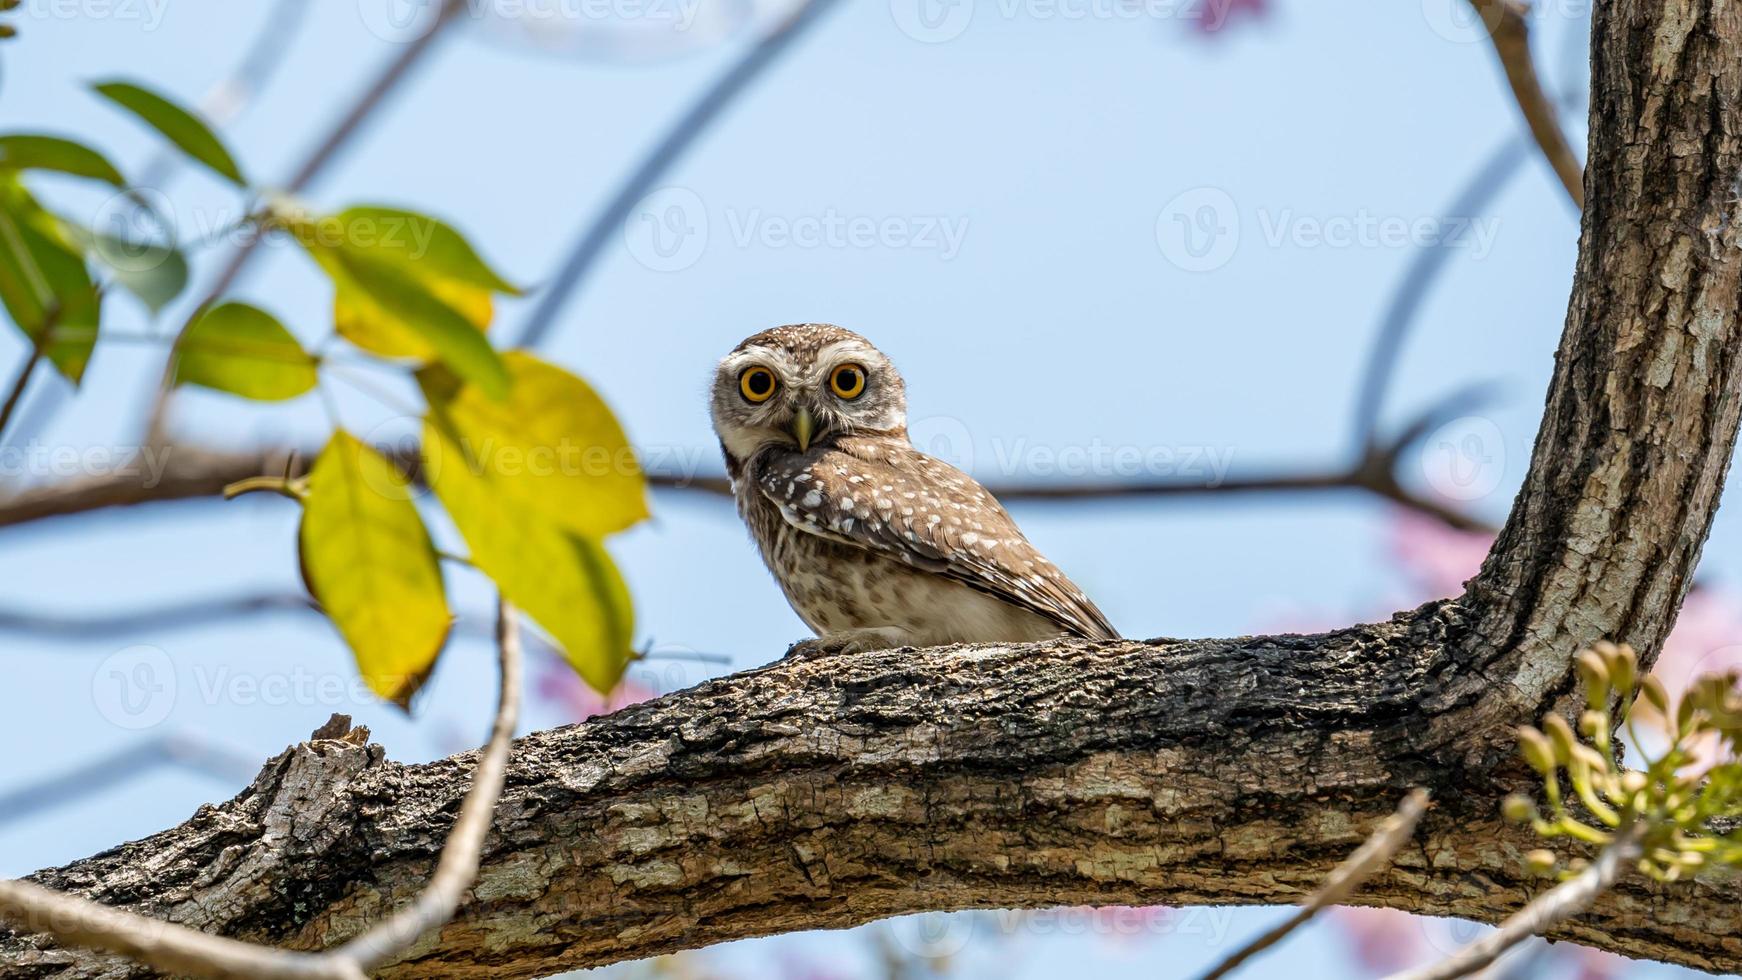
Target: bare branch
[
  {"x": 197, "y": 612},
  {"x": 179, "y": 949},
  {"x": 1407, "y": 297},
  {"x": 179, "y": 750},
  {"x": 221, "y": 104},
  {"x": 180, "y": 472},
  {"x": 352, "y": 122},
  {"x": 677, "y": 140},
  {"x": 1510, "y": 31},
  {"x": 1342, "y": 882},
  {"x": 1554, "y": 906},
  {"x": 16, "y": 391},
  {"x": 465, "y": 846},
  {"x": 226, "y": 100}
]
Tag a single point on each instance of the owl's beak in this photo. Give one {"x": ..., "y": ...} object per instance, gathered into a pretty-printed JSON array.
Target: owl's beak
[{"x": 803, "y": 427}]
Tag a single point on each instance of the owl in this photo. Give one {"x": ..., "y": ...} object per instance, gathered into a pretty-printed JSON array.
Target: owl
[{"x": 875, "y": 544}]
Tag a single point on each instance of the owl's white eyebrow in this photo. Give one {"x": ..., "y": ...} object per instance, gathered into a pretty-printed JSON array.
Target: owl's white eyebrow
[
  {"x": 751, "y": 356},
  {"x": 828, "y": 356}
]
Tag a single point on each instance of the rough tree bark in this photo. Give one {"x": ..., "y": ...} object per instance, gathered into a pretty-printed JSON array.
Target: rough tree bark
[{"x": 838, "y": 791}]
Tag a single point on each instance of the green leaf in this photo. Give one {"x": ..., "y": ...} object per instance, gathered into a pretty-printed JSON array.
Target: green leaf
[
  {"x": 33, "y": 152},
  {"x": 553, "y": 445},
  {"x": 424, "y": 247},
  {"x": 154, "y": 273},
  {"x": 369, "y": 562},
  {"x": 176, "y": 124},
  {"x": 364, "y": 322},
  {"x": 244, "y": 351},
  {"x": 567, "y": 583},
  {"x": 419, "y": 249},
  {"x": 44, "y": 284},
  {"x": 414, "y": 309}
]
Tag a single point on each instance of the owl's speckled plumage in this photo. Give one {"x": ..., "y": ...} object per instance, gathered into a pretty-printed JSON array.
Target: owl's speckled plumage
[{"x": 875, "y": 543}]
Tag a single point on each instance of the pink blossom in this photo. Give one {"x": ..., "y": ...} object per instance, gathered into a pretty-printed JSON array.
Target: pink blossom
[
  {"x": 1437, "y": 559},
  {"x": 1212, "y": 16},
  {"x": 559, "y": 685}
]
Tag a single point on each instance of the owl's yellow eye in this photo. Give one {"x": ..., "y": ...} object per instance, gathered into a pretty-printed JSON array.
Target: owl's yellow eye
[
  {"x": 848, "y": 381},
  {"x": 757, "y": 384}
]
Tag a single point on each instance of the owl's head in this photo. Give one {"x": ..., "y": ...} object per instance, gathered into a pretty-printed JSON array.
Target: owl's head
[{"x": 801, "y": 385}]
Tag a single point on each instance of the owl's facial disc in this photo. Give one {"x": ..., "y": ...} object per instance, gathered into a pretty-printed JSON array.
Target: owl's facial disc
[{"x": 798, "y": 396}]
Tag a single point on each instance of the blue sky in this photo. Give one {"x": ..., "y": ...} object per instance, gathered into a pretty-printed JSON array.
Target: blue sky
[{"x": 1023, "y": 182}]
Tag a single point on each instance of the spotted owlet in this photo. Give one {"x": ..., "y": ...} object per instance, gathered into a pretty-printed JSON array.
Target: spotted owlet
[{"x": 875, "y": 543}]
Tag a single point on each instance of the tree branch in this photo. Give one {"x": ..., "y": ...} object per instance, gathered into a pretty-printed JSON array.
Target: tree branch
[
  {"x": 356, "y": 116},
  {"x": 677, "y": 140},
  {"x": 1392, "y": 833},
  {"x": 15, "y": 391},
  {"x": 179, "y": 472},
  {"x": 1509, "y": 29},
  {"x": 181, "y": 750}
]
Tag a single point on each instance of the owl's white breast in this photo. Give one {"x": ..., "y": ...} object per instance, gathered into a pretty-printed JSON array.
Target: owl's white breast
[{"x": 836, "y": 587}]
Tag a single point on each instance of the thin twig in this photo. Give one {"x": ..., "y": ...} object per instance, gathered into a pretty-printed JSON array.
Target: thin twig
[
  {"x": 464, "y": 849},
  {"x": 1392, "y": 833},
  {"x": 365, "y": 105},
  {"x": 682, "y": 134},
  {"x": 225, "y": 101},
  {"x": 1509, "y": 29},
  {"x": 178, "y": 949},
  {"x": 160, "y": 616},
  {"x": 348, "y": 126},
  {"x": 1406, "y": 299},
  {"x": 1552, "y": 907},
  {"x": 194, "y": 753},
  {"x": 221, "y": 104},
  {"x": 169, "y": 473},
  {"x": 16, "y": 391}
]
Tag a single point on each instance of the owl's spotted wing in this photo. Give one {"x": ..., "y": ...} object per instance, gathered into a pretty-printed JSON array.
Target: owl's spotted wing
[{"x": 886, "y": 496}]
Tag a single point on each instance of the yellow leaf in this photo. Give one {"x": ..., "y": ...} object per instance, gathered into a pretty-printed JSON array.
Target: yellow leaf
[
  {"x": 378, "y": 330},
  {"x": 567, "y": 583},
  {"x": 552, "y": 446},
  {"x": 244, "y": 351},
  {"x": 369, "y": 562}
]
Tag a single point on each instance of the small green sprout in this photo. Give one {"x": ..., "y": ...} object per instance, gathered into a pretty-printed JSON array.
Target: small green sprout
[{"x": 1676, "y": 797}]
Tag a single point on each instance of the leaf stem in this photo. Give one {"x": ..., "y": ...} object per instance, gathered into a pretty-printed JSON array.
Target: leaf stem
[{"x": 16, "y": 392}]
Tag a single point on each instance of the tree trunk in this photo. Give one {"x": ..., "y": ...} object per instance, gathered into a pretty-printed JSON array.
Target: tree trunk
[{"x": 834, "y": 792}]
